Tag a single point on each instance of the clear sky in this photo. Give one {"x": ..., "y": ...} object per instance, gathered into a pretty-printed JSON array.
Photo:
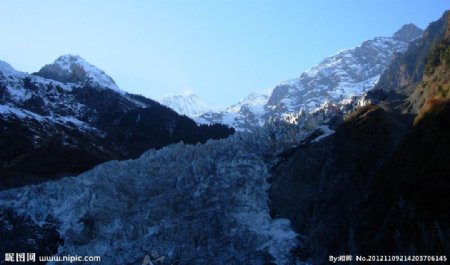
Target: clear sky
[{"x": 221, "y": 50}]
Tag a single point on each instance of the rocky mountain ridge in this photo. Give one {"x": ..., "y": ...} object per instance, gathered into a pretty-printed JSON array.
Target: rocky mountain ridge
[
  {"x": 66, "y": 125},
  {"x": 337, "y": 78}
]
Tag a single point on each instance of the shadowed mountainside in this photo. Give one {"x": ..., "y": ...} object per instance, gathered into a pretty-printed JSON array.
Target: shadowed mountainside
[{"x": 380, "y": 184}]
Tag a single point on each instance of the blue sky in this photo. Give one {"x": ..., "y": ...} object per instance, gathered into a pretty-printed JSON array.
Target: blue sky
[{"x": 222, "y": 50}]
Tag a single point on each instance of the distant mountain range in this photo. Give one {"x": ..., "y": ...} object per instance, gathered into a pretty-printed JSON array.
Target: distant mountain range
[
  {"x": 339, "y": 77},
  {"x": 71, "y": 116}
]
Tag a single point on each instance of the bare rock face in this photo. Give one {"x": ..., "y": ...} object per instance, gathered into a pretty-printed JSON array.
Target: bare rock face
[
  {"x": 74, "y": 69},
  {"x": 407, "y": 33},
  {"x": 407, "y": 70}
]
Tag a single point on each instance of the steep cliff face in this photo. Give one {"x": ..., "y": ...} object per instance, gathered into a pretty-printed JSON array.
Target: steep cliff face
[
  {"x": 406, "y": 210},
  {"x": 434, "y": 87},
  {"x": 378, "y": 185},
  {"x": 406, "y": 72},
  {"x": 415, "y": 180},
  {"x": 323, "y": 186}
]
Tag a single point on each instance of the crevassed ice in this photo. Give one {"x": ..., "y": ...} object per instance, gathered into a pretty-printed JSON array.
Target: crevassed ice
[{"x": 203, "y": 204}]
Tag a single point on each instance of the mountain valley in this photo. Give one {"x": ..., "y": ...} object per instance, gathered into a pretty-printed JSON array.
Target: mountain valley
[{"x": 350, "y": 158}]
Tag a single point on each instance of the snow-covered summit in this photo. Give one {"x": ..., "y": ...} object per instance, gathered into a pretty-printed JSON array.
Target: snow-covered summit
[
  {"x": 407, "y": 33},
  {"x": 255, "y": 100},
  {"x": 339, "y": 77},
  {"x": 7, "y": 69},
  {"x": 74, "y": 69},
  {"x": 348, "y": 73},
  {"x": 243, "y": 115},
  {"x": 187, "y": 103}
]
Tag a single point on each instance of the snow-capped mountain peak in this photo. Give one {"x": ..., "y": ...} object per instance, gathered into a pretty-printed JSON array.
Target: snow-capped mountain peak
[
  {"x": 77, "y": 123},
  {"x": 187, "y": 103},
  {"x": 407, "y": 33},
  {"x": 339, "y": 77},
  {"x": 7, "y": 69},
  {"x": 244, "y": 115},
  {"x": 74, "y": 69},
  {"x": 254, "y": 101},
  {"x": 66, "y": 61},
  {"x": 348, "y": 73}
]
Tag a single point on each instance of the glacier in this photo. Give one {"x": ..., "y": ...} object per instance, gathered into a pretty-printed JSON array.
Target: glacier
[{"x": 194, "y": 204}]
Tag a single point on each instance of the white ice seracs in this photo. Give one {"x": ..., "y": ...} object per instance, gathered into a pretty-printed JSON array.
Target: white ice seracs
[{"x": 203, "y": 204}]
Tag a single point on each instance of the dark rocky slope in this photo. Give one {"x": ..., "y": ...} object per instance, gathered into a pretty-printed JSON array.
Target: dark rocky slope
[
  {"x": 380, "y": 184},
  {"x": 407, "y": 207},
  {"x": 323, "y": 185}
]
